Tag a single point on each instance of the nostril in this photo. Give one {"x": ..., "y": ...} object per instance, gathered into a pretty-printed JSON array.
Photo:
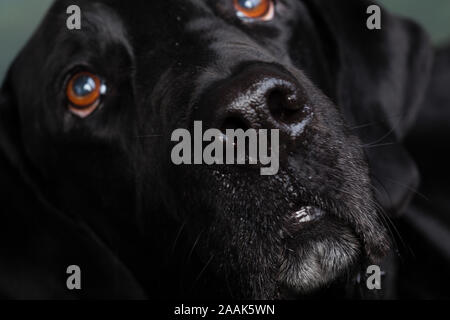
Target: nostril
[
  {"x": 234, "y": 122},
  {"x": 283, "y": 104}
]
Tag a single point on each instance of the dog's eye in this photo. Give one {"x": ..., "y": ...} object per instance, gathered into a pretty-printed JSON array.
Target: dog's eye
[
  {"x": 84, "y": 92},
  {"x": 255, "y": 9}
]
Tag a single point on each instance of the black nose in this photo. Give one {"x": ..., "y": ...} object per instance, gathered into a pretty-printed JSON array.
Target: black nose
[{"x": 258, "y": 97}]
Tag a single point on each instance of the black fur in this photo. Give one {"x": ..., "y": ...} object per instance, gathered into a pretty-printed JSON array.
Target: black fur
[{"x": 102, "y": 193}]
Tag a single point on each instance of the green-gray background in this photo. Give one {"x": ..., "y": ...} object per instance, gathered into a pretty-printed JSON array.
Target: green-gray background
[{"x": 18, "y": 18}]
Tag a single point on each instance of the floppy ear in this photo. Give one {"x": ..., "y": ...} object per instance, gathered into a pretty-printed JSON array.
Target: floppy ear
[
  {"x": 382, "y": 77},
  {"x": 9, "y": 124},
  {"x": 35, "y": 231}
]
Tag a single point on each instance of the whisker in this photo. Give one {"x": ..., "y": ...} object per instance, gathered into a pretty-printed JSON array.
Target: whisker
[
  {"x": 385, "y": 219},
  {"x": 178, "y": 235},
  {"x": 396, "y": 125},
  {"x": 202, "y": 271},
  {"x": 369, "y": 146},
  {"x": 368, "y": 124},
  {"x": 183, "y": 270},
  {"x": 390, "y": 223},
  {"x": 194, "y": 245},
  {"x": 409, "y": 188},
  {"x": 362, "y": 126}
]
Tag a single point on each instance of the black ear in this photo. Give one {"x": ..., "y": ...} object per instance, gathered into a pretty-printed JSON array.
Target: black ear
[
  {"x": 9, "y": 122},
  {"x": 382, "y": 77},
  {"x": 35, "y": 232}
]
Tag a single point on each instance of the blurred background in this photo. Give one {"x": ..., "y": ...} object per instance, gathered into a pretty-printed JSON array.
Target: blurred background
[{"x": 18, "y": 18}]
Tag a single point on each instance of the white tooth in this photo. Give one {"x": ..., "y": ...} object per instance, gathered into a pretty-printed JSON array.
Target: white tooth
[
  {"x": 307, "y": 214},
  {"x": 306, "y": 219},
  {"x": 301, "y": 213}
]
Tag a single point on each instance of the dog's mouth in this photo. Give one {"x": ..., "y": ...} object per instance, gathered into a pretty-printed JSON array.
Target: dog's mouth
[
  {"x": 318, "y": 248},
  {"x": 298, "y": 220},
  {"x": 283, "y": 232}
]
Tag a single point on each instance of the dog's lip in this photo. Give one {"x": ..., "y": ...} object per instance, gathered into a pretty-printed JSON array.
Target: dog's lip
[
  {"x": 307, "y": 214},
  {"x": 300, "y": 219}
]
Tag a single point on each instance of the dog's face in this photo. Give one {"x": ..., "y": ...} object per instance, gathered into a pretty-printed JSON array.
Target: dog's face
[{"x": 161, "y": 65}]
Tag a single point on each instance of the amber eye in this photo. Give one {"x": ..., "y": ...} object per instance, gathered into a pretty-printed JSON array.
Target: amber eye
[
  {"x": 255, "y": 9},
  {"x": 84, "y": 92}
]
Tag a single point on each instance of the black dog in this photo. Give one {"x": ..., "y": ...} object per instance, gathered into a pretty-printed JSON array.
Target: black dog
[{"x": 86, "y": 119}]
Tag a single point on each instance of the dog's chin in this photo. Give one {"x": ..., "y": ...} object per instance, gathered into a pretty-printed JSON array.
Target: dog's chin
[
  {"x": 316, "y": 253},
  {"x": 310, "y": 253},
  {"x": 276, "y": 238}
]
